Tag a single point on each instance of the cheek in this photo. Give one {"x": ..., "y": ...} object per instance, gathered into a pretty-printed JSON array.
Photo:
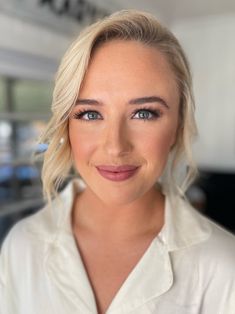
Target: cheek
[
  {"x": 157, "y": 156},
  {"x": 82, "y": 145},
  {"x": 157, "y": 144}
]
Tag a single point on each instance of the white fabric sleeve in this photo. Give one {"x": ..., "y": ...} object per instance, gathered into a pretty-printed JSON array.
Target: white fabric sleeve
[
  {"x": 2, "y": 280},
  {"x": 7, "y": 302}
]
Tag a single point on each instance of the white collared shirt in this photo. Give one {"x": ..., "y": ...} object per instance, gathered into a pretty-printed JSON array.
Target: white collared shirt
[{"x": 189, "y": 268}]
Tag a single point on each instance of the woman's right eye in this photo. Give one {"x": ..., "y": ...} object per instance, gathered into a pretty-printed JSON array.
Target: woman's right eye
[{"x": 87, "y": 115}]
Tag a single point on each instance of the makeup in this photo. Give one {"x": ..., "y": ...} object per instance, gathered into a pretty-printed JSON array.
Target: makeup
[{"x": 117, "y": 173}]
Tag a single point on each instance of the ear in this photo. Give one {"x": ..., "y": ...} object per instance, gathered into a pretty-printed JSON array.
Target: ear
[
  {"x": 173, "y": 140},
  {"x": 176, "y": 135},
  {"x": 180, "y": 125}
]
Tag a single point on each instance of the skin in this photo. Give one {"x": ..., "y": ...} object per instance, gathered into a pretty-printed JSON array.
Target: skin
[
  {"x": 119, "y": 72},
  {"x": 121, "y": 217}
]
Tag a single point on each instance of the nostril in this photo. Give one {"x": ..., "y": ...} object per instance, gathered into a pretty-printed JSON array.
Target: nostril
[{"x": 116, "y": 141}]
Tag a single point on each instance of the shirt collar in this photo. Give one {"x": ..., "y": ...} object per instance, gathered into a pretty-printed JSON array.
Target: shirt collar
[
  {"x": 137, "y": 288},
  {"x": 183, "y": 227}
]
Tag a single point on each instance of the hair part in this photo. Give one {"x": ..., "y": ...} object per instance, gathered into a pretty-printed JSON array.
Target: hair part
[{"x": 130, "y": 25}]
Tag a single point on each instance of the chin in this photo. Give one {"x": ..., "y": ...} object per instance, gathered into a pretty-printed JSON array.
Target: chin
[{"x": 119, "y": 197}]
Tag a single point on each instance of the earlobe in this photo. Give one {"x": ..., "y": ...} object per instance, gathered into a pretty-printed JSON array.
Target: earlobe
[
  {"x": 176, "y": 135},
  {"x": 172, "y": 146},
  {"x": 174, "y": 139}
]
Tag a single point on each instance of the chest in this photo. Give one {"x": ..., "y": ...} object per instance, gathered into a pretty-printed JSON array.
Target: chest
[
  {"x": 109, "y": 266},
  {"x": 60, "y": 287}
]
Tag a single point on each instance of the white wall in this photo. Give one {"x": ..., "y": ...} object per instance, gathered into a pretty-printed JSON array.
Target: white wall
[
  {"x": 33, "y": 37},
  {"x": 210, "y": 45},
  {"x": 29, "y": 50}
]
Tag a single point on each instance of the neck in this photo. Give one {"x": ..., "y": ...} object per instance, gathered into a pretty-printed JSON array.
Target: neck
[{"x": 141, "y": 217}]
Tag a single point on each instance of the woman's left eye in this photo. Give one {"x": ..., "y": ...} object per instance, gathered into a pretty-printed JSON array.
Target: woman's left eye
[{"x": 146, "y": 114}]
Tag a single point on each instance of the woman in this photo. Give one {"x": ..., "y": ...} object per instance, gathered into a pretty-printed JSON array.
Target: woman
[{"x": 122, "y": 239}]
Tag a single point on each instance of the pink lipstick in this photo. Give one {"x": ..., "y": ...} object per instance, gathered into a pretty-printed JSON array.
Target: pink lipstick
[{"x": 117, "y": 173}]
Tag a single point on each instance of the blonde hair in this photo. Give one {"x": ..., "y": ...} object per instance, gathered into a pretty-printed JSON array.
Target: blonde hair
[{"x": 124, "y": 25}]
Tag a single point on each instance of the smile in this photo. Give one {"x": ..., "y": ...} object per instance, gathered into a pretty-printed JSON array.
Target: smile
[{"x": 117, "y": 173}]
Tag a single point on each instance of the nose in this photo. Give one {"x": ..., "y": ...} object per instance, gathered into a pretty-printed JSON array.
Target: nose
[{"x": 117, "y": 141}]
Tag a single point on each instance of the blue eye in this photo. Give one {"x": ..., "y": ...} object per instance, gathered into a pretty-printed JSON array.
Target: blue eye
[
  {"x": 87, "y": 115},
  {"x": 147, "y": 114}
]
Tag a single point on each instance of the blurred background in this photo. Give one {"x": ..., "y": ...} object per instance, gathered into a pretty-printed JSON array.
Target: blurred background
[{"x": 34, "y": 34}]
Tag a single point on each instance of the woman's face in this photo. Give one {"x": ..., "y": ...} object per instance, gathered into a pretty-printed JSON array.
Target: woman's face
[{"x": 125, "y": 121}]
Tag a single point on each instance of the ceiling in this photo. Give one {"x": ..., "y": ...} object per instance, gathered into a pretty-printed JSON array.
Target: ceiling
[{"x": 170, "y": 11}]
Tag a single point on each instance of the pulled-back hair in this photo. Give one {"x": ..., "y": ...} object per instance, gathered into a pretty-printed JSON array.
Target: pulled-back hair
[{"x": 129, "y": 25}]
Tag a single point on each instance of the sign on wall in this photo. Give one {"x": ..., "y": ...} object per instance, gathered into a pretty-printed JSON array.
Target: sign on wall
[
  {"x": 61, "y": 15},
  {"x": 77, "y": 9}
]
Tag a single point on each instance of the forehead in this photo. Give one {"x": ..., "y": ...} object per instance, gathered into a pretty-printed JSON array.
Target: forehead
[{"x": 129, "y": 66}]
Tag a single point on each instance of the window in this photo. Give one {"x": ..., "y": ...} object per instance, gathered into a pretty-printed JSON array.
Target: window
[{"x": 24, "y": 111}]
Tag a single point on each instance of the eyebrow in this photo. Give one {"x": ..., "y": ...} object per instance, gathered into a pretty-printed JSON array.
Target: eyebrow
[
  {"x": 134, "y": 101},
  {"x": 87, "y": 101},
  {"x": 150, "y": 99}
]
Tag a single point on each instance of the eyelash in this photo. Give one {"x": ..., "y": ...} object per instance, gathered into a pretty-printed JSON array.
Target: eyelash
[{"x": 156, "y": 114}]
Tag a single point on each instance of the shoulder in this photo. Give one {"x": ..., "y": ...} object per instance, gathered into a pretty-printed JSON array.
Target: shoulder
[
  {"x": 220, "y": 246},
  {"x": 48, "y": 219},
  {"x": 214, "y": 260},
  {"x": 220, "y": 241},
  {"x": 25, "y": 235},
  {"x": 28, "y": 242},
  {"x": 215, "y": 255},
  {"x": 206, "y": 241},
  {"x": 41, "y": 226},
  {"x": 202, "y": 250}
]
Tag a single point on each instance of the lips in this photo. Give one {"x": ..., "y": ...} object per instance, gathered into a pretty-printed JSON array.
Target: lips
[
  {"x": 117, "y": 168},
  {"x": 117, "y": 173}
]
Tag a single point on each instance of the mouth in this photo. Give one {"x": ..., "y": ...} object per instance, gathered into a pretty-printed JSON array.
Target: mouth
[{"x": 117, "y": 173}]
